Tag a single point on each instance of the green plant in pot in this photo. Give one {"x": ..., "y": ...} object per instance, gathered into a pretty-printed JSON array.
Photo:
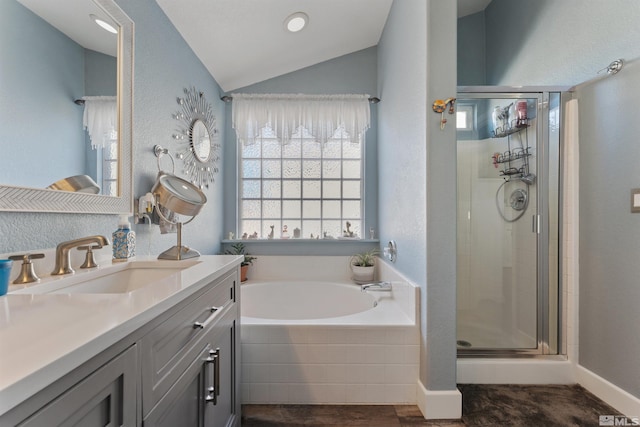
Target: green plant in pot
[
  {"x": 363, "y": 266},
  {"x": 239, "y": 249}
]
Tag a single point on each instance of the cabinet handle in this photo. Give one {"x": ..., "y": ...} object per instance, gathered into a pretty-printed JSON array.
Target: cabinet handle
[
  {"x": 202, "y": 325},
  {"x": 217, "y": 372},
  {"x": 211, "y": 392}
]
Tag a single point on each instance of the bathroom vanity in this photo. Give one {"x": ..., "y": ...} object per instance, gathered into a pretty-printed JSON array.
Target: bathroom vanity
[{"x": 90, "y": 350}]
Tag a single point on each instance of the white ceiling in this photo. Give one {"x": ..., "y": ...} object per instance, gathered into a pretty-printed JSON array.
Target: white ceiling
[
  {"x": 71, "y": 17},
  {"x": 242, "y": 42}
]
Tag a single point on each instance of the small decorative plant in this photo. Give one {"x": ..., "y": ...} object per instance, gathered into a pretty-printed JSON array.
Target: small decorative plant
[
  {"x": 365, "y": 259},
  {"x": 363, "y": 266},
  {"x": 239, "y": 249}
]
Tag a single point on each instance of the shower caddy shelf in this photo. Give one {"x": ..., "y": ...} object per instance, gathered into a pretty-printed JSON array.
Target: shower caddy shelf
[{"x": 509, "y": 156}]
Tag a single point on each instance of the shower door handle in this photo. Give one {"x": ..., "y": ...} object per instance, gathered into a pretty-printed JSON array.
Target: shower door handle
[{"x": 536, "y": 225}]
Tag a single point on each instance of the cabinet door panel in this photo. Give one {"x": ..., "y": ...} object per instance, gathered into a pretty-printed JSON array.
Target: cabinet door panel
[
  {"x": 182, "y": 405},
  {"x": 105, "y": 398},
  {"x": 224, "y": 412}
]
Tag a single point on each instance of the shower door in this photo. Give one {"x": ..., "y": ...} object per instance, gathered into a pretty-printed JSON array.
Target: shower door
[{"x": 505, "y": 218}]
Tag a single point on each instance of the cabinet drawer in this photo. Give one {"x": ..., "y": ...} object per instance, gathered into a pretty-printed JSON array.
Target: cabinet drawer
[{"x": 167, "y": 350}]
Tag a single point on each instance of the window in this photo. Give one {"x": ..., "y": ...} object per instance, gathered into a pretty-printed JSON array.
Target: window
[
  {"x": 302, "y": 188},
  {"x": 464, "y": 117},
  {"x": 110, "y": 170}
]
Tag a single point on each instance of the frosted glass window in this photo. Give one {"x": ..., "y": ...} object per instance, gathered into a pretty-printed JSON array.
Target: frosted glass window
[
  {"x": 251, "y": 151},
  {"x": 303, "y": 184},
  {"x": 351, "y": 150},
  {"x": 351, "y": 209},
  {"x": 351, "y": 189},
  {"x": 311, "y": 189},
  {"x": 311, "y": 169},
  {"x": 291, "y": 189},
  {"x": 271, "y": 189},
  {"x": 332, "y": 150},
  {"x": 251, "y": 227},
  {"x": 251, "y": 209},
  {"x": 109, "y": 170},
  {"x": 331, "y": 169},
  {"x": 311, "y": 150},
  {"x": 271, "y": 209},
  {"x": 291, "y": 209},
  {"x": 311, "y": 209},
  {"x": 351, "y": 169},
  {"x": 331, "y": 190},
  {"x": 271, "y": 169},
  {"x": 251, "y": 169},
  {"x": 251, "y": 189},
  {"x": 331, "y": 209},
  {"x": 292, "y": 149},
  {"x": 312, "y": 229},
  {"x": 291, "y": 169},
  {"x": 271, "y": 149}
]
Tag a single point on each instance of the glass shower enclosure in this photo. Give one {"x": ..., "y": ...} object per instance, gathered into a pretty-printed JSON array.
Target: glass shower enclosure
[{"x": 508, "y": 175}]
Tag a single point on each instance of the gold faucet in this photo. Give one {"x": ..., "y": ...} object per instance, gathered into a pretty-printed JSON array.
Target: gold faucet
[{"x": 63, "y": 259}]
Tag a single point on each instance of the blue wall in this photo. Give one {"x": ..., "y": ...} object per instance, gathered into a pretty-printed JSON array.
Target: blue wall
[
  {"x": 353, "y": 73},
  {"x": 568, "y": 42},
  {"x": 416, "y": 65},
  {"x": 42, "y": 73},
  {"x": 164, "y": 64},
  {"x": 471, "y": 50}
]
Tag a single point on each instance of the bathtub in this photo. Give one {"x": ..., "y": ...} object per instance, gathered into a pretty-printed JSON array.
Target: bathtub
[{"x": 324, "y": 342}]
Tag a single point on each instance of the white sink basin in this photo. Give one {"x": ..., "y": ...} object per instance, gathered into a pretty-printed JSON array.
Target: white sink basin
[{"x": 115, "y": 279}]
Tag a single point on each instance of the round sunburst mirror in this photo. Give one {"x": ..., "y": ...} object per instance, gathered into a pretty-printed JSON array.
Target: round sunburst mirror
[{"x": 197, "y": 138}]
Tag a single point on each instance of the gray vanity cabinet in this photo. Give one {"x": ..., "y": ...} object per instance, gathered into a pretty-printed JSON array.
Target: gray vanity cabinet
[
  {"x": 206, "y": 394},
  {"x": 179, "y": 369},
  {"x": 107, "y": 397}
]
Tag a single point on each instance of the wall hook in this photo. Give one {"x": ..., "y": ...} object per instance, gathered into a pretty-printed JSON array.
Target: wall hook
[{"x": 440, "y": 106}]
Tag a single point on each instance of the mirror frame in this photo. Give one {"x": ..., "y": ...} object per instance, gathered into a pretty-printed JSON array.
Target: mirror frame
[{"x": 24, "y": 199}]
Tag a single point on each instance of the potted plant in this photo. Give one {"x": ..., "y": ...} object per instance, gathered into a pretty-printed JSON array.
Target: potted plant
[
  {"x": 363, "y": 266},
  {"x": 238, "y": 249}
]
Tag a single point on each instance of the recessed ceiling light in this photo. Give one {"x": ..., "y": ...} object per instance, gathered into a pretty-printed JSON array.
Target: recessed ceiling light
[
  {"x": 103, "y": 24},
  {"x": 296, "y": 21}
]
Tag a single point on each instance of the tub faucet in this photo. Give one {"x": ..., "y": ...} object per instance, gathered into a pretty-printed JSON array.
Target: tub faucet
[
  {"x": 63, "y": 259},
  {"x": 377, "y": 286}
]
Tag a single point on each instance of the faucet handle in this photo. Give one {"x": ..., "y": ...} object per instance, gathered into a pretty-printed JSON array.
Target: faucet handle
[
  {"x": 27, "y": 273},
  {"x": 89, "y": 261}
]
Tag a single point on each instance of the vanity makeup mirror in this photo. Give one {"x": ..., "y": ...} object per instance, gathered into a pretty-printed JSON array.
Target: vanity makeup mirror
[{"x": 37, "y": 137}]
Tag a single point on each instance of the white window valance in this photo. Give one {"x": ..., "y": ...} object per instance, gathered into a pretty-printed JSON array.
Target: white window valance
[
  {"x": 100, "y": 119},
  {"x": 320, "y": 115}
]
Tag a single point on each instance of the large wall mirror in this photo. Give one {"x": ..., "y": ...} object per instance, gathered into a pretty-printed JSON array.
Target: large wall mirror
[{"x": 56, "y": 62}]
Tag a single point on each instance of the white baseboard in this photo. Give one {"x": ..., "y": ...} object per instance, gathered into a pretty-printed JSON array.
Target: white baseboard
[
  {"x": 515, "y": 371},
  {"x": 439, "y": 404},
  {"x": 621, "y": 400}
]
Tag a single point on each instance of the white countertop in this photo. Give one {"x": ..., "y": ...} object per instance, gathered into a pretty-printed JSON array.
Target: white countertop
[{"x": 45, "y": 336}]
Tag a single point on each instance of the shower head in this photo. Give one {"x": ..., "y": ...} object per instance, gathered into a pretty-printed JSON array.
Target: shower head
[{"x": 528, "y": 178}]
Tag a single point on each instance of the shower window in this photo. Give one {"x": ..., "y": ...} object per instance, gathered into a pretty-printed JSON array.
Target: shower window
[
  {"x": 301, "y": 189},
  {"x": 465, "y": 118}
]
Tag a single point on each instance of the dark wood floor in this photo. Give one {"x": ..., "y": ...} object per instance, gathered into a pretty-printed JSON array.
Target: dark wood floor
[{"x": 483, "y": 405}]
